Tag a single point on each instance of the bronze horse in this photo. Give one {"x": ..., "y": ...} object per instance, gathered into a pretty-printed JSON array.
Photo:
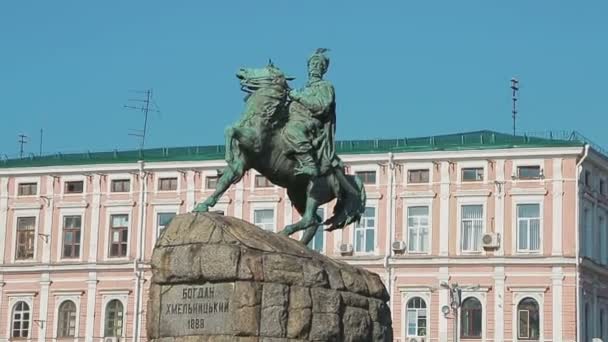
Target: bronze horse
[{"x": 256, "y": 141}]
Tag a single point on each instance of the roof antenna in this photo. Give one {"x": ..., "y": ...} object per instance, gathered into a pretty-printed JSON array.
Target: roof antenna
[
  {"x": 22, "y": 141},
  {"x": 515, "y": 88},
  {"x": 145, "y": 108}
]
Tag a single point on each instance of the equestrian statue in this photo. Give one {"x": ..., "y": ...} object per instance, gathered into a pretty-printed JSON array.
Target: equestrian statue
[{"x": 288, "y": 136}]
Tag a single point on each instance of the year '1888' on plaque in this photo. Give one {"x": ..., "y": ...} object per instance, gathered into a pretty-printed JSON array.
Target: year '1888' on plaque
[{"x": 195, "y": 309}]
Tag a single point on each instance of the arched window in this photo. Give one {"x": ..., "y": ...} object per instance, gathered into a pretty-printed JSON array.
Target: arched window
[
  {"x": 416, "y": 317},
  {"x": 528, "y": 318},
  {"x": 67, "y": 319},
  {"x": 114, "y": 319},
  {"x": 21, "y": 320},
  {"x": 470, "y": 321}
]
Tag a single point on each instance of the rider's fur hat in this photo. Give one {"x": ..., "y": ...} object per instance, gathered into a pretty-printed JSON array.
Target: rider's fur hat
[{"x": 320, "y": 54}]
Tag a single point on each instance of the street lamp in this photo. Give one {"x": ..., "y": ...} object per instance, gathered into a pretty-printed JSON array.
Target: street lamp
[{"x": 455, "y": 302}]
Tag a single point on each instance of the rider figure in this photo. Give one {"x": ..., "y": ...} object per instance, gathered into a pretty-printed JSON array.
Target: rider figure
[{"x": 310, "y": 131}]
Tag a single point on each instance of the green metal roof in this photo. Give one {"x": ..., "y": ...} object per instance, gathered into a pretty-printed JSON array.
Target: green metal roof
[{"x": 452, "y": 142}]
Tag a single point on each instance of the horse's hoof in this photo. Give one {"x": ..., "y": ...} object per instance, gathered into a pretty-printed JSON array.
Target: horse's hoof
[{"x": 201, "y": 208}]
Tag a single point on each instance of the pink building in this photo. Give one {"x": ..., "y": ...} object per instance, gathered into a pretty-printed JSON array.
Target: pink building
[{"x": 520, "y": 223}]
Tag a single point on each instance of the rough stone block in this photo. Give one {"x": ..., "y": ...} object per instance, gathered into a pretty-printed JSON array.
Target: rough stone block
[
  {"x": 357, "y": 325},
  {"x": 325, "y": 327},
  {"x": 280, "y": 268},
  {"x": 325, "y": 300}
]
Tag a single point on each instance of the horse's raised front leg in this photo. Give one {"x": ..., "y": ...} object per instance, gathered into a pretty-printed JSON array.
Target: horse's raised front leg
[{"x": 230, "y": 175}]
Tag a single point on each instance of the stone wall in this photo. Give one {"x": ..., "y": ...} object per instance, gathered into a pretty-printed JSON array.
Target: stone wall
[{"x": 219, "y": 278}]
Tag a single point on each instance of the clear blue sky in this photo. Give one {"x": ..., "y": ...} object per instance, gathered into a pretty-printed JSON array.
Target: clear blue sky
[{"x": 400, "y": 68}]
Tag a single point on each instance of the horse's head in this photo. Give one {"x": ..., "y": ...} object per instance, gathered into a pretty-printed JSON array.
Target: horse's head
[{"x": 253, "y": 79}]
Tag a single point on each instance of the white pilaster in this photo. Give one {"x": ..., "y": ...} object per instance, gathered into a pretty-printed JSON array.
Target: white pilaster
[
  {"x": 499, "y": 303},
  {"x": 43, "y": 308},
  {"x": 95, "y": 218},
  {"x": 3, "y": 217},
  {"x": 499, "y": 206},
  {"x": 190, "y": 191},
  {"x": 48, "y": 240},
  {"x": 444, "y": 209},
  {"x": 90, "y": 317},
  {"x": 558, "y": 194},
  {"x": 444, "y": 299},
  {"x": 238, "y": 200},
  {"x": 557, "y": 279}
]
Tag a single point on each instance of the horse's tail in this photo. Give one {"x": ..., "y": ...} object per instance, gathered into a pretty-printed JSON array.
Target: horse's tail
[{"x": 350, "y": 205}]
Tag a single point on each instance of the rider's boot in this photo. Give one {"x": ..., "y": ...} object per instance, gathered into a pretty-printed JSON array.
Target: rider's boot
[{"x": 307, "y": 166}]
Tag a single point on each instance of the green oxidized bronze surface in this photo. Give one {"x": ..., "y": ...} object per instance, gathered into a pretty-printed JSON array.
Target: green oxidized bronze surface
[{"x": 288, "y": 136}]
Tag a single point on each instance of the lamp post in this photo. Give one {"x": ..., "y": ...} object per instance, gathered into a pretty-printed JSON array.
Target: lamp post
[{"x": 455, "y": 303}]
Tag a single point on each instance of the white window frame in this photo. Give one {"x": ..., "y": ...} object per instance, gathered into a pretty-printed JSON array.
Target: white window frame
[
  {"x": 417, "y": 202},
  {"x": 74, "y": 178},
  {"x": 19, "y": 180},
  {"x": 25, "y": 213},
  {"x": 162, "y": 209},
  {"x": 120, "y": 176},
  {"x": 12, "y": 301},
  {"x": 370, "y": 203},
  {"x": 467, "y": 164},
  {"x": 117, "y": 211},
  {"x": 516, "y": 163},
  {"x": 59, "y": 299},
  {"x": 262, "y": 206},
  {"x": 538, "y": 295},
  {"x": 252, "y": 174},
  {"x": 323, "y": 232},
  {"x": 108, "y": 296},
  {"x": 418, "y": 166},
  {"x": 408, "y": 293},
  {"x": 471, "y": 200},
  {"x": 204, "y": 174},
  {"x": 59, "y": 248},
  {"x": 366, "y": 167},
  {"x": 481, "y": 296},
  {"x": 526, "y": 199},
  {"x": 167, "y": 174}
]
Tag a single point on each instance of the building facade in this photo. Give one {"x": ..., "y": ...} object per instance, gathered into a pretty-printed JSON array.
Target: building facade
[{"x": 521, "y": 224}]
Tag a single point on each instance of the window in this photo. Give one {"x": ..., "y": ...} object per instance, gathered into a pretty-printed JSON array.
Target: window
[
  {"x": 367, "y": 177},
  {"x": 317, "y": 241},
  {"x": 472, "y": 227},
  {"x": 262, "y": 182},
  {"x": 528, "y": 319},
  {"x": 162, "y": 221},
  {"x": 67, "y": 319},
  {"x": 588, "y": 178},
  {"x": 418, "y": 176},
  {"x": 27, "y": 189},
  {"x": 587, "y": 319},
  {"x": 119, "y": 235},
  {"x": 25, "y": 237},
  {"x": 120, "y": 185},
  {"x": 264, "y": 218},
  {"x": 529, "y": 172},
  {"x": 167, "y": 184},
  {"x": 71, "y": 236},
  {"x": 470, "y": 321},
  {"x": 528, "y": 227},
  {"x": 416, "y": 317},
  {"x": 21, "y": 320},
  {"x": 211, "y": 182},
  {"x": 74, "y": 187},
  {"x": 602, "y": 187},
  {"x": 113, "y": 319},
  {"x": 472, "y": 174},
  {"x": 365, "y": 231},
  {"x": 418, "y": 229}
]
